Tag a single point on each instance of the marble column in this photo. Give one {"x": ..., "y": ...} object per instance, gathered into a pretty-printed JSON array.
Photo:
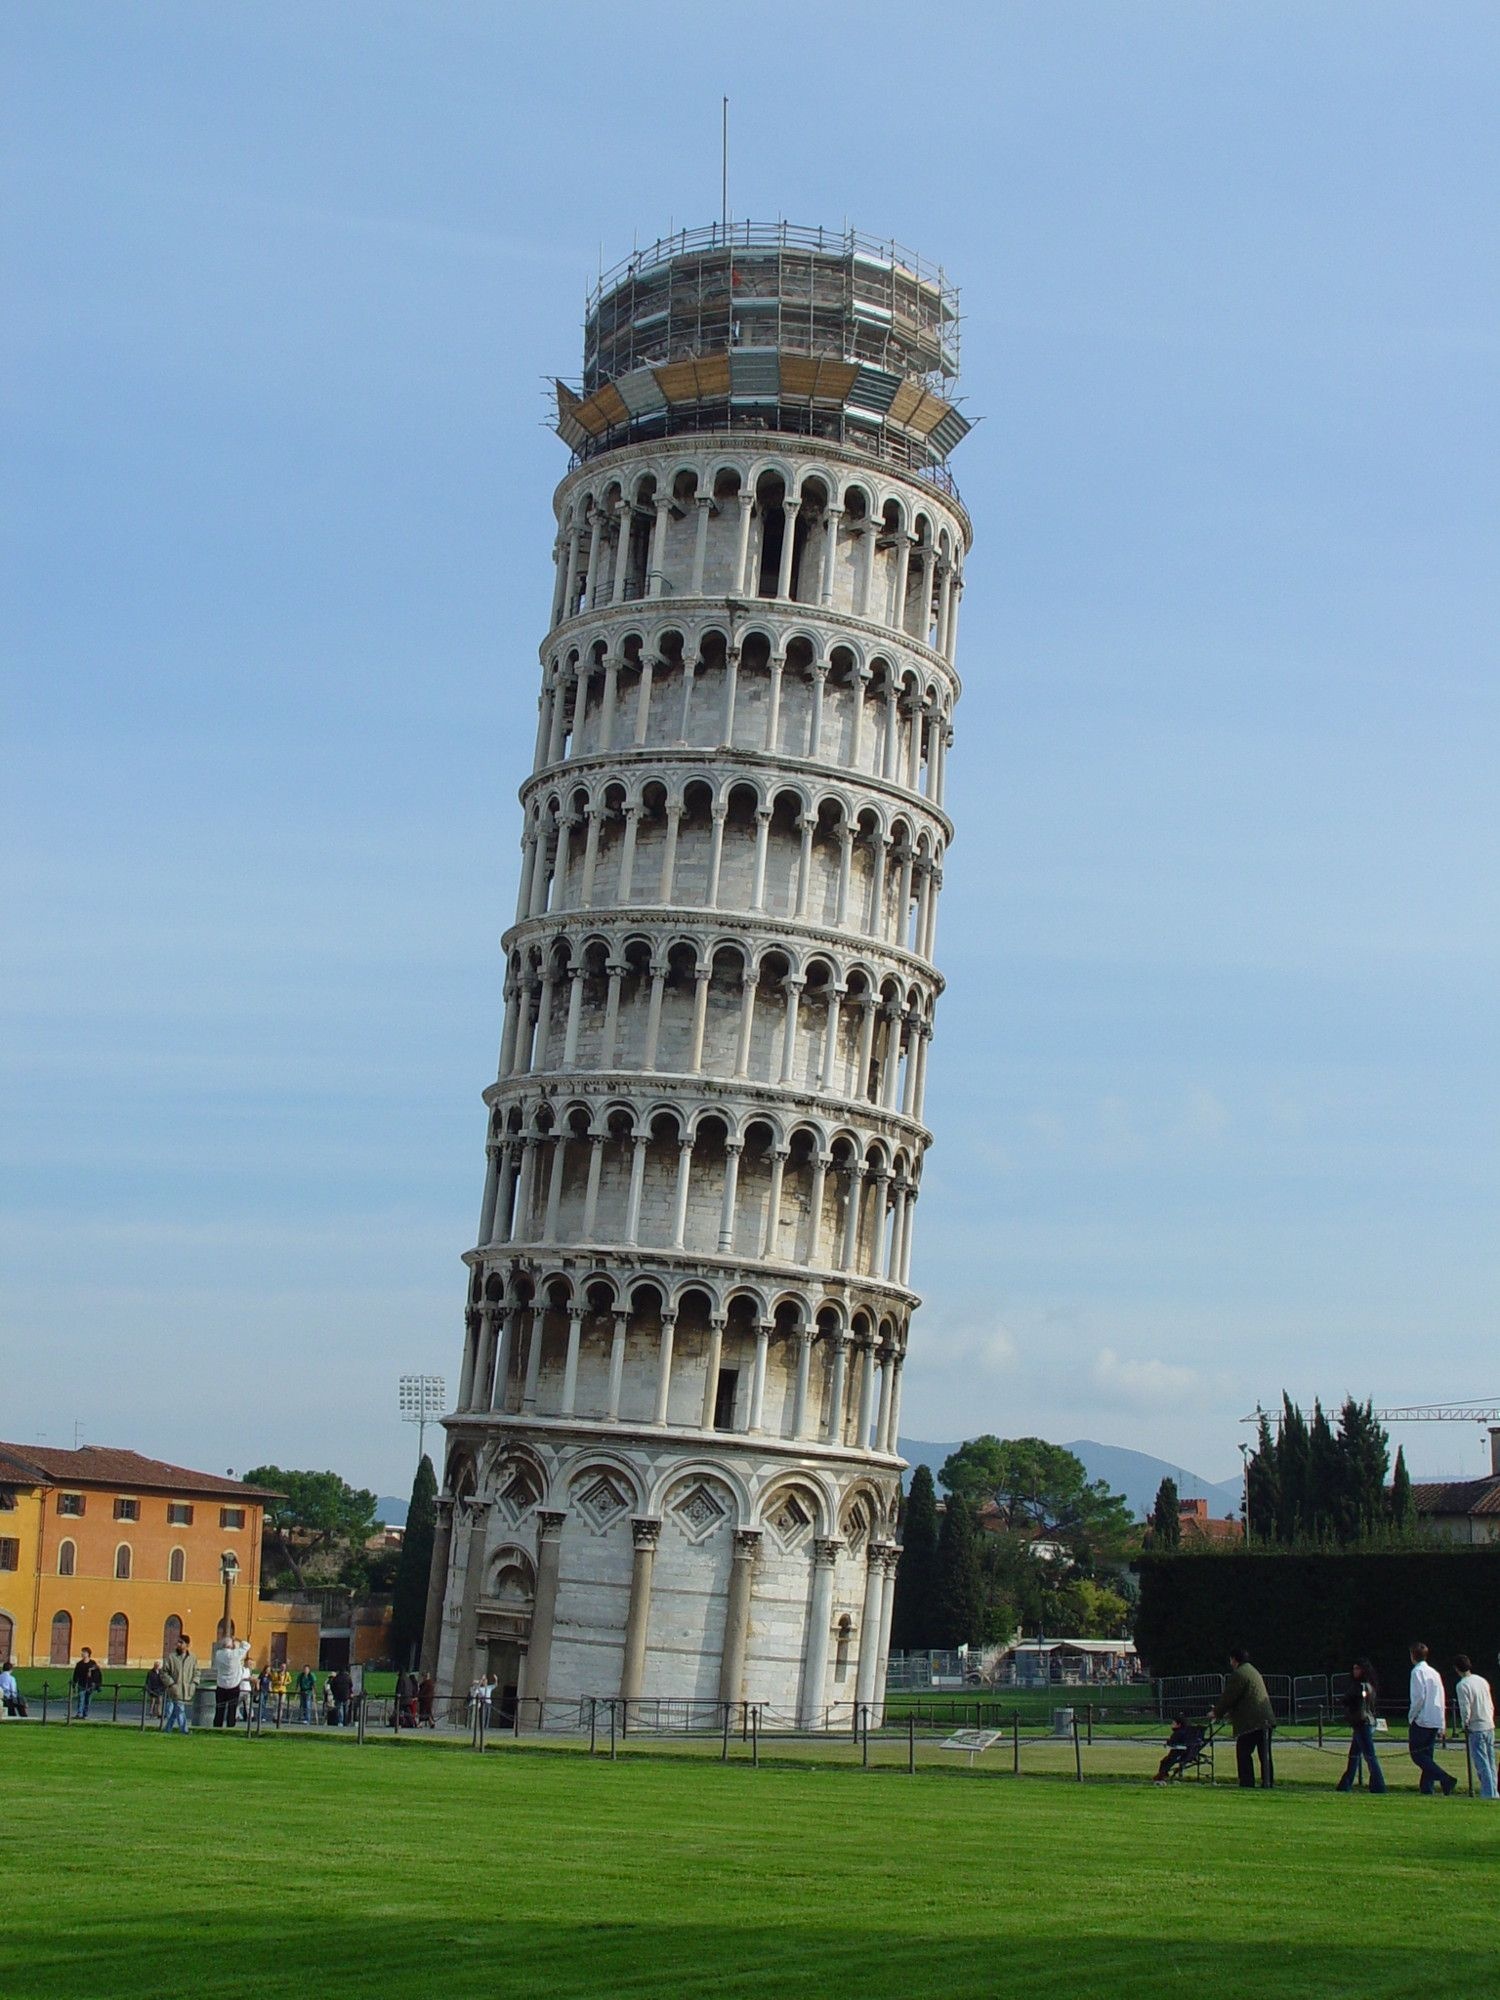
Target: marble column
[
  {"x": 645, "y": 1533},
  {"x": 549, "y": 1526},
  {"x": 819, "y": 1628},
  {"x": 737, "y": 1614}
]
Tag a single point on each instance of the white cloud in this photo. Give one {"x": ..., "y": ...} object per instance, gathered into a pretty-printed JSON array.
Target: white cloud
[{"x": 1143, "y": 1384}]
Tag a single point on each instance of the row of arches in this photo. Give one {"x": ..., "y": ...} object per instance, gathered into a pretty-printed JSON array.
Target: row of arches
[
  {"x": 700, "y": 1184},
  {"x": 652, "y": 1351},
  {"x": 855, "y": 1511},
  {"x": 734, "y": 844},
  {"x": 747, "y": 1012},
  {"x": 801, "y": 534},
  {"x": 787, "y": 696}
]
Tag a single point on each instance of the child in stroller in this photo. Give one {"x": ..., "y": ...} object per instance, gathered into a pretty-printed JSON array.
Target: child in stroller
[{"x": 1184, "y": 1748}]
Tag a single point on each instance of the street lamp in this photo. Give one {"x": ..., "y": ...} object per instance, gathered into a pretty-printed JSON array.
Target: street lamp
[
  {"x": 423, "y": 1398},
  {"x": 229, "y": 1569}
]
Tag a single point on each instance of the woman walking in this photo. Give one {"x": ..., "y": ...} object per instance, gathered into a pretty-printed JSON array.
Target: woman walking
[{"x": 1362, "y": 1705}]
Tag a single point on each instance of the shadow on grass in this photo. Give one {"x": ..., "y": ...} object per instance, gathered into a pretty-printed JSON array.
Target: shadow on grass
[{"x": 393, "y": 1952}]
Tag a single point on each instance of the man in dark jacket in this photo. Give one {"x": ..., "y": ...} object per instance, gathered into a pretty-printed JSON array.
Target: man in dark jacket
[
  {"x": 87, "y": 1681},
  {"x": 1246, "y": 1707}
]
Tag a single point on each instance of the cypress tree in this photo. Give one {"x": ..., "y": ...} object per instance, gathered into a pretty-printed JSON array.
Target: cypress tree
[
  {"x": 1166, "y": 1517},
  {"x": 1261, "y": 1503},
  {"x": 1364, "y": 1451},
  {"x": 958, "y": 1610},
  {"x": 409, "y": 1600},
  {"x": 916, "y": 1571},
  {"x": 1325, "y": 1479},
  {"x": 1293, "y": 1474},
  {"x": 1402, "y": 1508}
]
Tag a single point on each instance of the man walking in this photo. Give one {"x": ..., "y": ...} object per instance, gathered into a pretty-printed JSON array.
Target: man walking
[
  {"x": 1425, "y": 1718},
  {"x": 230, "y": 1655},
  {"x": 1246, "y": 1707},
  {"x": 87, "y": 1681},
  {"x": 179, "y": 1672},
  {"x": 1476, "y": 1711}
]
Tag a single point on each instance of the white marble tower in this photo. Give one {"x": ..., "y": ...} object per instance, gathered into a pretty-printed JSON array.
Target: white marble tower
[{"x": 673, "y": 1469}]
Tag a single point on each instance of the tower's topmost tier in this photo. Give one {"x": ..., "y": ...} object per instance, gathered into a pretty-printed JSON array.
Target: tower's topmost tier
[{"x": 770, "y": 328}]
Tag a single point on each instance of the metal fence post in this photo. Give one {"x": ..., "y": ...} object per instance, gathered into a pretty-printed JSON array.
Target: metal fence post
[
  {"x": 724, "y": 1746},
  {"x": 593, "y": 1723},
  {"x": 911, "y": 1745},
  {"x": 45, "y": 1687},
  {"x": 612, "y": 1750},
  {"x": 755, "y": 1735},
  {"x": 864, "y": 1734},
  {"x": 1015, "y": 1742},
  {"x": 1077, "y": 1748}
]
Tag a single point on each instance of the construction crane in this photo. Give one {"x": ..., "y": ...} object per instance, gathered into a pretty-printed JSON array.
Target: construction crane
[{"x": 1477, "y": 1412}]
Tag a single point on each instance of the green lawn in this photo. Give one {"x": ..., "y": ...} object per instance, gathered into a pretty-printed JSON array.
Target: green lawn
[{"x": 297, "y": 1866}]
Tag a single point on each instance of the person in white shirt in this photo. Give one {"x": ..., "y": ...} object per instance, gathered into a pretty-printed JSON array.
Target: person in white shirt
[
  {"x": 230, "y": 1655},
  {"x": 1476, "y": 1711},
  {"x": 1425, "y": 1718}
]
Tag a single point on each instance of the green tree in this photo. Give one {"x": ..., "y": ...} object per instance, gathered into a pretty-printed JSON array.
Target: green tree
[
  {"x": 1365, "y": 1456},
  {"x": 409, "y": 1597},
  {"x": 1166, "y": 1517},
  {"x": 1036, "y": 1486},
  {"x": 1403, "y": 1508},
  {"x": 1325, "y": 1478},
  {"x": 317, "y": 1514},
  {"x": 958, "y": 1599},
  {"x": 1293, "y": 1474},
  {"x": 1262, "y": 1501}
]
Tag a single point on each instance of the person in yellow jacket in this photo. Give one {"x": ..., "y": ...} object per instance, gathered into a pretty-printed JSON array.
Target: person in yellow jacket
[{"x": 1246, "y": 1707}]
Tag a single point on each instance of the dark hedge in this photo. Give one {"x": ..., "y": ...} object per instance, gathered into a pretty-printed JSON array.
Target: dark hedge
[{"x": 1310, "y": 1612}]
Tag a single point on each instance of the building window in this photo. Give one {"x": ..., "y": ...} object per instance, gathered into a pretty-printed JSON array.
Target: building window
[
  {"x": 177, "y": 1566},
  {"x": 179, "y": 1514},
  {"x": 62, "y": 1639},
  {"x": 67, "y": 1558},
  {"x": 231, "y": 1517},
  {"x": 119, "y": 1640},
  {"x": 7, "y": 1500},
  {"x": 10, "y": 1552},
  {"x": 127, "y": 1510},
  {"x": 122, "y": 1562},
  {"x": 70, "y": 1503}
]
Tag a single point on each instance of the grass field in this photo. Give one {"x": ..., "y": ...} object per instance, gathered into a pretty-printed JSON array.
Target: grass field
[{"x": 309, "y": 1866}]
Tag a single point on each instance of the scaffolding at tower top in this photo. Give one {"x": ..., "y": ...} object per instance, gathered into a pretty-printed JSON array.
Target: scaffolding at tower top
[{"x": 771, "y": 327}]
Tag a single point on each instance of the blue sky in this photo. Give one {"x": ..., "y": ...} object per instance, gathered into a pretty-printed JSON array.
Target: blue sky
[{"x": 1215, "y": 1084}]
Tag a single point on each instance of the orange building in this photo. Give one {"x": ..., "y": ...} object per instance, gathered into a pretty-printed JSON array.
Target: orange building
[{"x": 110, "y": 1550}]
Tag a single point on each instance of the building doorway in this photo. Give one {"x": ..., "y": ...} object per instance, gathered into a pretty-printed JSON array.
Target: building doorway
[{"x": 505, "y": 1664}]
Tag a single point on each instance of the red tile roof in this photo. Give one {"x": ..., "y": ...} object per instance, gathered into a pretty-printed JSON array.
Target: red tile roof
[
  {"x": 1458, "y": 1496},
  {"x": 104, "y": 1465}
]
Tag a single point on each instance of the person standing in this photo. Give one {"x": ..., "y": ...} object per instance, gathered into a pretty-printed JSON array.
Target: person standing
[
  {"x": 1476, "y": 1711},
  {"x": 307, "y": 1687},
  {"x": 230, "y": 1656},
  {"x": 179, "y": 1672},
  {"x": 427, "y": 1701},
  {"x": 1362, "y": 1705},
  {"x": 1246, "y": 1707},
  {"x": 87, "y": 1681},
  {"x": 1426, "y": 1714},
  {"x": 341, "y": 1687}
]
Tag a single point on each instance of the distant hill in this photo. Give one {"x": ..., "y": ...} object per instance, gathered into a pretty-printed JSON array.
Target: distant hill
[
  {"x": 391, "y": 1512},
  {"x": 1134, "y": 1473}
]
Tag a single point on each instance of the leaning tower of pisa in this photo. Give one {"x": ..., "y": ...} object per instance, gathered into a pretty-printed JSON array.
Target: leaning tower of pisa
[{"x": 672, "y": 1470}]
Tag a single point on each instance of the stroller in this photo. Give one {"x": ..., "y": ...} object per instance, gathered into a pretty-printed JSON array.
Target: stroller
[{"x": 1189, "y": 1750}]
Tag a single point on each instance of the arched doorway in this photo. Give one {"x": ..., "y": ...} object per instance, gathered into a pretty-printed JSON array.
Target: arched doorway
[
  {"x": 119, "y": 1640},
  {"x": 7, "y": 1635},
  {"x": 171, "y": 1632},
  {"x": 62, "y": 1639}
]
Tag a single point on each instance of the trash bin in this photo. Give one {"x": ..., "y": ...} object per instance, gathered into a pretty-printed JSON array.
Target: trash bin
[{"x": 1062, "y": 1722}]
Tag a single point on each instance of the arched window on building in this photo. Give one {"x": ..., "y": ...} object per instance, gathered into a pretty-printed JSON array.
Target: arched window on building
[
  {"x": 171, "y": 1632},
  {"x": 177, "y": 1566},
  {"x": 122, "y": 1562},
  {"x": 119, "y": 1640},
  {"x": 62, "y": 1639},
  {"x": 67, "y": 1558}
]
